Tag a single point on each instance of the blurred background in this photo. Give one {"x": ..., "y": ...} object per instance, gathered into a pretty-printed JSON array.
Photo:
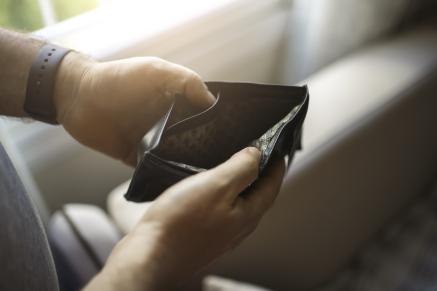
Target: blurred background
[
  {"x": 369, "y": 138},
  {"x": 30, "y": 15},
  {"x": 272, "y": 41}
]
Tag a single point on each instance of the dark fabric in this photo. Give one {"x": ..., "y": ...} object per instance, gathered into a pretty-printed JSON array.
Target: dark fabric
[
  {"x": 403, "y": 257},
  {"x": 26, "y": 261}
]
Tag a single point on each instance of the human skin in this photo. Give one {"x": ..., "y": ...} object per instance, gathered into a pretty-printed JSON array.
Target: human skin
[{"x": 109, "y": 106}]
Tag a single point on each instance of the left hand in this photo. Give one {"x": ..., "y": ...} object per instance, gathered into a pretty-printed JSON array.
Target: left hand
[
  {"x": 192, "y": 224},
  {"x": 109, "y": 106}
]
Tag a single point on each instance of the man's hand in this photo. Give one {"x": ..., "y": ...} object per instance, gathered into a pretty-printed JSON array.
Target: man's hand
[
  {"x": 109, "y": 106},
  {"x": 190, "y": 225}
]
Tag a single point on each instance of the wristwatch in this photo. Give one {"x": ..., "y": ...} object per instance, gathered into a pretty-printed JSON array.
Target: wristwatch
[{"x": 39, "y": 103}]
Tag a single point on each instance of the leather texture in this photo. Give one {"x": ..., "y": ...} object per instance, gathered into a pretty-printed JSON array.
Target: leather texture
[{"x": 187, "y": 141}]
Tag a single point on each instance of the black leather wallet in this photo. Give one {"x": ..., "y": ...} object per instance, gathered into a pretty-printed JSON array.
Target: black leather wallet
[{"x": 185, "y": 141}]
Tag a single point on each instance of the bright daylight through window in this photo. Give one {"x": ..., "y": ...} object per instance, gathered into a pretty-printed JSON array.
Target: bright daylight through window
[{"x": 29, "y": 15}]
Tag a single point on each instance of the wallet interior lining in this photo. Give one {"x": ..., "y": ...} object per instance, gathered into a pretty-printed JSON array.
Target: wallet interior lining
[{"x": 234, "y": 125}]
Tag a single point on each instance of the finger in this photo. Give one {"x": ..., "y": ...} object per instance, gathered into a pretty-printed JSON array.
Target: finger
[
  {"x": 188, "y": 83},
  {"x": 238, "y": 172},
  {"x": 196, "y": 91},
  {"x": 262, "y": 196}
]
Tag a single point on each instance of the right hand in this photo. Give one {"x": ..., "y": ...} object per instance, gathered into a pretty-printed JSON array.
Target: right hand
[{"x": 191, "y": 224}]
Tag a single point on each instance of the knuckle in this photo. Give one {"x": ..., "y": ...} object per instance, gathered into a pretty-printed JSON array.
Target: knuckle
[
  {"x": 255, "y": 214},
  {"x": 193, "y": 78},
  {"x": 233, "y": 221},
  {"x": 220, "y": 183},
  {"x": 159, "y": 66},
  {"x": 156, "y": 60},
  {"x": 252, "y": 223},
  {"x": 244, "y": 219},
  {"x": 237, "y": 216},
  {"x": 153, "y": 66},
  {"x": 248, "y": 228},
  {"x": 265, "y": 205}
]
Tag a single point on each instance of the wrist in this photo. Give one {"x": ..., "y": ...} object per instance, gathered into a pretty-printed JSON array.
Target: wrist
[
  {"x": 71, "y": 72},
  {"x": 134, "y": 263}
]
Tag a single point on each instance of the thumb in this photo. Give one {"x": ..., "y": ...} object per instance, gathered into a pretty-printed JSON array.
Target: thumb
[
  {"x": 239, "y": 171},
  {"x": 190, "y": 84}
]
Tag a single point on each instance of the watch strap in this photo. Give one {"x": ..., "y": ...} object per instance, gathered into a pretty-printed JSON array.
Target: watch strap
[{"x": 39, "y": 102}]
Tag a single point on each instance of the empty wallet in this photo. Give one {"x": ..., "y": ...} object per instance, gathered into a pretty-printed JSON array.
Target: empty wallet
[{"x": 185, "y": 141}]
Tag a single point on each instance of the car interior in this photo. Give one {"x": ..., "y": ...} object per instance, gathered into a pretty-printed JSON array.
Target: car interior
[{"x": 369, "y": 140}]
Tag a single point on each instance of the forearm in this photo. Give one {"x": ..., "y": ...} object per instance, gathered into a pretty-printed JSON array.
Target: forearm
[
  {"x": 133, "y": 264},
  {"x": 17, "y": 53}
]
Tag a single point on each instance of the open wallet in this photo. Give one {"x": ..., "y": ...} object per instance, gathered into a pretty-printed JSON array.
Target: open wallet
[{"x": 186, "y": 141}]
